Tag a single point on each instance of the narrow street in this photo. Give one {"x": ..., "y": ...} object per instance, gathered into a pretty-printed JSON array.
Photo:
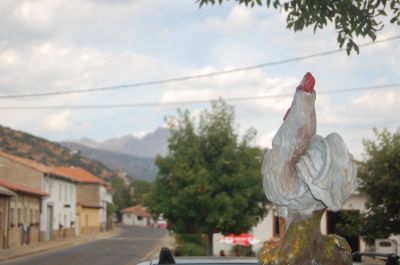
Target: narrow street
[{"x": 124, "y": 249}]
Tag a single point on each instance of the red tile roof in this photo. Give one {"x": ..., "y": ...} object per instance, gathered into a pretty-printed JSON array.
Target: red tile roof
[
  {"x": 137, "y": 210},
  {"x": 78, "y": 174},
  {"x": 22, "y": 189}
]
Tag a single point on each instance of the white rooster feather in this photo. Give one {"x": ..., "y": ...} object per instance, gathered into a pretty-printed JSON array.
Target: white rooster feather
[{"x": 304, "y": 172}]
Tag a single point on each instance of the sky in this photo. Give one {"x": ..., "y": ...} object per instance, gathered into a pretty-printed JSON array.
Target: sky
[{"x": 60, "y": 45}]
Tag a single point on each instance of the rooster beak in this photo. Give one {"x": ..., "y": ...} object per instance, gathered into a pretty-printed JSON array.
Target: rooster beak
[{"x": 308, "y": 82}]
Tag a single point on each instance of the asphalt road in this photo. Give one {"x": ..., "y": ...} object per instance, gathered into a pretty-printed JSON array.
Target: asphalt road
[{"x": 124, "y": 249}]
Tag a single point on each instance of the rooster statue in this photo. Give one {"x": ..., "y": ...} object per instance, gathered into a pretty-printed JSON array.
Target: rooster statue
[{"x": 303, "y": 175}]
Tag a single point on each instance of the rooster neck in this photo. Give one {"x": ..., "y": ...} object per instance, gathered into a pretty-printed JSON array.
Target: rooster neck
[{"x": 294, "y": 138}]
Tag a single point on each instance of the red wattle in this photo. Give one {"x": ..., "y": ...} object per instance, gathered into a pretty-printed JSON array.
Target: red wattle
[{"x": 308, "y": 82}]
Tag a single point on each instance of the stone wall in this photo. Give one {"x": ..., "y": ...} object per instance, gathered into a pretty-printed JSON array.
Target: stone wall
[
  {"x": 22, "y": 235},
  {"x": 20, "y": 174},
  {"x": 3, "y": 220},
  {"x": 88, "y": 194},
  {"x": 62, "y": 233},
  {"x": 24, "y": 220}
]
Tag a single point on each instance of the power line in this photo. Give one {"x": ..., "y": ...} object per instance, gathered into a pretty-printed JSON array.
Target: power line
[
  {"x": 190, "y": 102},
  {"x": 191, "y": 77}
]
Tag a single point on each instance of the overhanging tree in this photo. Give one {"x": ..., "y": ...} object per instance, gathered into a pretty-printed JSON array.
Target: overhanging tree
[
  {"x": 351, "y": 18},
  {"x": 380, "y": 175},
  {"x": 210, "y": 180}
]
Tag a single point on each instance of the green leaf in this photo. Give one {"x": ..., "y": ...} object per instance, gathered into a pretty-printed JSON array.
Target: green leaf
[
  {"x": 393, "y": 20},
  {"x": 382, "y": 12},
  {"x": 286, "y": 6},
  {"x": 372, "y": 35}
]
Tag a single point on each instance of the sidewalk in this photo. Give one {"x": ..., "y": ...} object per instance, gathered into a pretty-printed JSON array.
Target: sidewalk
[{"x": 9, "y": 254}]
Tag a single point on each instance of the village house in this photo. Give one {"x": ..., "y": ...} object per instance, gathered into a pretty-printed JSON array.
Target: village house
[
  {"x": 137, "y": 215},
  {"x": 93, "y": 197},
  {"x": 106, "y": 199},
  {"x": 19, "y": 214},
  {"x": 58, "y": 209},
  {"x": 268, "y": 228}
]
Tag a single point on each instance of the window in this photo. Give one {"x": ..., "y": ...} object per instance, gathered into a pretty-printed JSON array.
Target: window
[
  {"x": 31, "y": 220},
  {"x": 60, "y": 191},
  {"x": 139, "y": 218},
  {"x": 12, "y": 216},
  {"x": 50, "y": 185},
  {"x": 25, "y": 215},
  {"x": 66, "y": 193},
  {"x": 19, "y": 216}
]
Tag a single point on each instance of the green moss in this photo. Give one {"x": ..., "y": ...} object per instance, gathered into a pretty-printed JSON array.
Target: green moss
[{"x": 303, "y": 243}]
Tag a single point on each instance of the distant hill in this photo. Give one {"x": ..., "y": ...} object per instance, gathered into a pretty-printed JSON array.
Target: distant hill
[
  {"x": 46, "y": 152},
  {"x": 136, "y": 167},
  {"x": 151, "y": 145}
]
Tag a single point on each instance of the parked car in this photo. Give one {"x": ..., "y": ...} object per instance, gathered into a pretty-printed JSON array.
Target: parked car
[{"x": 389, "y": 259}]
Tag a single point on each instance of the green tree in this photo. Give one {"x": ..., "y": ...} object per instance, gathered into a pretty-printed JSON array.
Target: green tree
[
  {"x": 380, "y": 175},
  {"x": 123, "y": 196},
  {"x": 210, "y": 180},
  {"x": 351, "y": 18},
  {"x": 141, "y": 190}
]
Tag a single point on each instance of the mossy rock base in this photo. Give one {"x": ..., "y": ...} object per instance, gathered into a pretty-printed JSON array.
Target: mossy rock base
[{"x": 303, "y": 244}]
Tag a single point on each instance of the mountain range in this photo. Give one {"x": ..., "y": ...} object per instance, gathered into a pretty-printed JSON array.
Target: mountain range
[
  {"x": 133, "y": 155},
  {"x": 129, "y": 155},
  {"x": 49, "y": 153},
  {"x": 151, "y": 145}
]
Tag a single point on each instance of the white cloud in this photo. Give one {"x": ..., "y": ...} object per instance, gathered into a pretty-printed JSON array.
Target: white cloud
[
  {"x": 265, "y": 140},
  {"x": 254, "y": 83},
  {"x": 386, "y": 100},
  {"x": 8, "y": 57},
  {"x": 54, "y": 45},
  {"x": 57, "y": 122},
  {"x": 238, "y": 20},
  {"x": 141, "y": 134},
  {"x": 38, "y": 12}
]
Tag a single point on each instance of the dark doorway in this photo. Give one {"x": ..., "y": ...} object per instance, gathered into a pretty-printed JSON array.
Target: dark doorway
[{"x": 334, "y": 222}]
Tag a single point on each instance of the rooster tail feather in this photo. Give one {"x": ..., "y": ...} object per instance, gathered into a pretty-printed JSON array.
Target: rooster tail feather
[{"x": 328, "y": 170}]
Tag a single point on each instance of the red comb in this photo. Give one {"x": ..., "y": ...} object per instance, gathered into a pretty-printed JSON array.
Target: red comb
[{"x": 308, "y": 82}]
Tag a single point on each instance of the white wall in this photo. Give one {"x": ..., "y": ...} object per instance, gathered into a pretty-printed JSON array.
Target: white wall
[
  {"x": 131, "y": 219},
  {"x": 128, "y": 219},
  {"x": 63, "y": 199},
  {"x": 105, "y": 197},
  {"x": 264, "y": 229}
]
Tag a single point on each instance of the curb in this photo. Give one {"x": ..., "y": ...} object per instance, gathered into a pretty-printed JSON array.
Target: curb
[{"x": 153, "y": 253}]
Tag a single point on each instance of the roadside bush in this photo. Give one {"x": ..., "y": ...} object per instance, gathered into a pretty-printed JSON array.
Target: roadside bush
[
  {"x": 190, "y": 245},
  {"x": 242, "y": 251},
  {"x": 190, "y": 249}
]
